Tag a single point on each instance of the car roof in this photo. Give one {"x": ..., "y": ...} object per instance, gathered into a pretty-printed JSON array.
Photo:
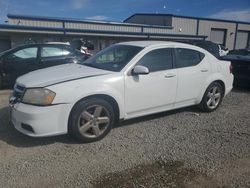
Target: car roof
[
  {"x": 150, "y": 43},
  {"x": 64, "y": 43},
  {"x": 41, "y": 44},
  {"x": 34, "y": 45}
]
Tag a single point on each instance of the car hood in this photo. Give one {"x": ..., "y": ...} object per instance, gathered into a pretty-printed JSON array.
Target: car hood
[{"x": 58, "y": 74}]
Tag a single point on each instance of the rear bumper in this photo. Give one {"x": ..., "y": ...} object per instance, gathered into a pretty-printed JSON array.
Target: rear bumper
[
  {"x": 229, "y": 84},
  {"x": 41, "y": 121},
  {"x": 228, "y": 90}
]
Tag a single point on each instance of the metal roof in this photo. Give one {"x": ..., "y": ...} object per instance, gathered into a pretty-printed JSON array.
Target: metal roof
[
  {"x": 188, "y": 17},
  {"x": 75, "y": 20},
  {"x": 20, "y": 28},
  {"x": 100, "y": 32}
]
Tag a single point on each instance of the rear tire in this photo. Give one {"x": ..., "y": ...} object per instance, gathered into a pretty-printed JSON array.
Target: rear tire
[
  {"x": 91, "y": 120},
  {"x": 212, "y": 98}
]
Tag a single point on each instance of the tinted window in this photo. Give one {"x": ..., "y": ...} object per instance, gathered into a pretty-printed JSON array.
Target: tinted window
[
  {"x": 188, "y": 57},
  {"x": 207, "y": 45},
  {"x": 26, "y": 53},
  {"x": 157, "y": 60},
  {"x": 113, "y": 58},
  {"x": 53, "y": 51}
]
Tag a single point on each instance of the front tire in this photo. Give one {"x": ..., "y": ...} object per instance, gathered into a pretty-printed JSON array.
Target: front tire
[
  {"x": 212, "y": 97},
  {"x": 91, "y": 120}
]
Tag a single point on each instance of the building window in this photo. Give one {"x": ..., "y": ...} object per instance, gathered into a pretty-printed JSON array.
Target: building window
[{"x": 218, "y": 36}]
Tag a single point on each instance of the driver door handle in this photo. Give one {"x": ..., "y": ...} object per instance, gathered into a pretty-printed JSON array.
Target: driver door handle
[
  {"x": 204, "y": 70},
  {"x": 170, "y": 75}
]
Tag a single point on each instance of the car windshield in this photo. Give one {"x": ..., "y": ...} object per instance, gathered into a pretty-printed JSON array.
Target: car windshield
[{"x": 113, "y": 58}]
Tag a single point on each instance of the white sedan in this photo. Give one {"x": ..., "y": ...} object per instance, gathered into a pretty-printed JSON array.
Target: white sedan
[{"x": 123, "y": 81}]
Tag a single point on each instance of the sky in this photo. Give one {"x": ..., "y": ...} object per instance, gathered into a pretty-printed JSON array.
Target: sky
[{"x": 119, "y": 10}]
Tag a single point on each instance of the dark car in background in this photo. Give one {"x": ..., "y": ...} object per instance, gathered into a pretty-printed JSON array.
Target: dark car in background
[
  {"x": 216, "y": 49},
  {"x": 240, "y": 60},
  {"x": 27, "y": 58}
]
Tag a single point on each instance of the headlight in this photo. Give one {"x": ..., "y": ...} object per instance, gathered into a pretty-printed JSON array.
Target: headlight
[{"x": 38, "y": 96}]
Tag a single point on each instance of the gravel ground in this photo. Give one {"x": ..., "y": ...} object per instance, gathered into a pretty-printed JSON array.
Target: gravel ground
[{"x": 181, "y": 148}]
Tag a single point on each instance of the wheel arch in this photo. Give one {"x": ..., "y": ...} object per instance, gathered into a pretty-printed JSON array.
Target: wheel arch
[
  {"x": 203, "y": 103},
  {"x": 105, "y": 97},
  {"x": 222, "y": 84},
  {"x": 208, "y": 83}
]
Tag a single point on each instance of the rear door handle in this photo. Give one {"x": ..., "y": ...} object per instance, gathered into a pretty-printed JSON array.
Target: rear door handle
[
  {"x": 170, "y": 75},
  {"x": 204, "y": 70}
]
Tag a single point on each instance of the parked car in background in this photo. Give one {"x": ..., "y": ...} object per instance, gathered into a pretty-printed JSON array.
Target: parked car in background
[
  {"x": 127, "y": 80},
  {"x": 83, "y": 46},
  {"x": 216, "y": 49},
  {"x": 241, "y": 66},
  {"x": 27, "y": 58}
]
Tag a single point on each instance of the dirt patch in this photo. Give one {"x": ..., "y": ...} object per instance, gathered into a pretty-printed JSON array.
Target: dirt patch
[
  {"x": 216, "y": 144},
  {"x": 4, "y": 97},
  {"x": 157, "y": 174}
]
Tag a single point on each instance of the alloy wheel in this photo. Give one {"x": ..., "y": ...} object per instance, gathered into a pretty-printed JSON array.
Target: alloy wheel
[
  {"x": 213, "y": 97},
  {"x": 93, "y": 121}
]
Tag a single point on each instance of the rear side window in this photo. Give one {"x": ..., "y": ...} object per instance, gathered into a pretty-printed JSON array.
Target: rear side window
[
  {"x": 26, "y": 53},
  {"x": 157, "y": 60},
  {"x": 53, "y": 52},
  {"x": 187, "y": 57}
]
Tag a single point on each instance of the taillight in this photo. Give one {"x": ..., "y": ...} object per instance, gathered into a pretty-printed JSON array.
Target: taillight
[{"x": 231, "y": 68}]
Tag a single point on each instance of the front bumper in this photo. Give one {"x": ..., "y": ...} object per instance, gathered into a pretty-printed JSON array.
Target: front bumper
[{"x": 40, "y": 120}]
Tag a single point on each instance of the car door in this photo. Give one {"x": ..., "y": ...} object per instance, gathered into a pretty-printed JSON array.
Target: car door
[
  {"x": 21, "y": 61},
  {"x": 153, "y": 92},
  {"x": 52, "y": 55},
  {"x": 193, "y": 69}
]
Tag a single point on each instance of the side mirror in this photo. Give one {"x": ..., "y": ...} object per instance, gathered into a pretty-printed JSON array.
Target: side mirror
[{"x": 139, "y": 69}]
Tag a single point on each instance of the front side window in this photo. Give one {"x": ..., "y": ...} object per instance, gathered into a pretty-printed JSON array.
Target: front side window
[
  {"x": 187, "y": 57},
  {"x": 52, "y": 51},
  {"x": 26, "y": 53},
  {"x": 157, "y": 60},
  {"x": 113, "y": 58}
]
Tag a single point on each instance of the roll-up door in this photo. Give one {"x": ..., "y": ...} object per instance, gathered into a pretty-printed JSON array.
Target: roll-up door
[
  {"x": 218, "y": 36},
  {"x": 242, "y": 39}
]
